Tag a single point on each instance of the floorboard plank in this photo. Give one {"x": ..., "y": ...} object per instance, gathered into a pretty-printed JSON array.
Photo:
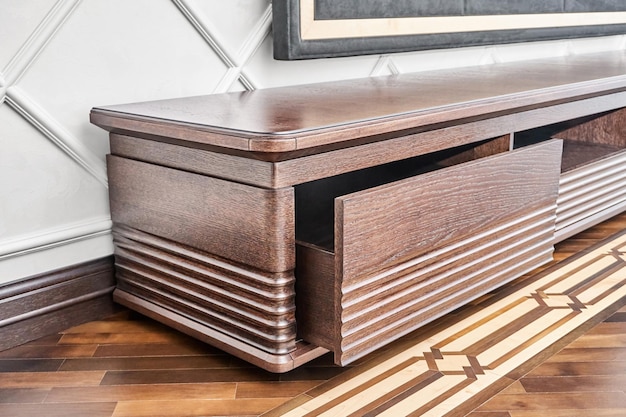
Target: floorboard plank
[
  {"x": 30, "y": 365},
  {"x": 146, "y": 363},
  {"x": 244, "y": 407},
  {"x": 50, "y": 379},
  {"x": 23, "y": 395},
  {"x": 589, "y": 355},
  {"x": 609, "y": 327},
  {"x": 594, "y": 383},
  {"x": 619, "y": 317},
  {"x": 138, "y": 324},
  {"x": 186, "y": 348},
  {"x": 547, "y": 402},
  {"x": 273, "y": 389},
  {"x": 151, "y": 392},
  {"x": 119, "y": 338},
  {"x": 554, "y": 368},
  {"x": 186, "y": 376},
  {"x": 58, "y": 410},
  {"x": 609, "y": 340},
  {"x": 34, "y": 351}
]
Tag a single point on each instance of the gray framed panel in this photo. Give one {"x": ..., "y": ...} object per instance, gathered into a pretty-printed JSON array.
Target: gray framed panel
[{"x": 306, "y": 29}]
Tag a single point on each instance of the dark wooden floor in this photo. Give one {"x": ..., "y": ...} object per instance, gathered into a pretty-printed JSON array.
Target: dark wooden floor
[{"x": 131, "y": 366}]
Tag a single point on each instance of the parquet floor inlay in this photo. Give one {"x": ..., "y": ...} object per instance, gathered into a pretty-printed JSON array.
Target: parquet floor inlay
[{"x": 548, "y": 344}]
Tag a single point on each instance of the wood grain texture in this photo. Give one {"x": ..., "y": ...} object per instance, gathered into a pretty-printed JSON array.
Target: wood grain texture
[
  {"x": 301, "y": 166},
  {"x": 283, "y": 362},
  {"x": 249, "y": 313},
  {"x": 405, "y": 249},
  {"x": 201, "y": 161},
  {"x": 592, "y": 180},
  {"x": 606, "y": 129},
  {"x": 435, "y": 247},
  {"x": 247, "y": 225},
  {"x": 315, "y": 271},
  {"x": 285, "y": 119},
  {"x": 424, "y": 213},
  {"x": 410, "y": 296},
  {"x": 254, "y": 306},
  {"x": 138, "y": 343},
  {"x": 47, "y": 303}
]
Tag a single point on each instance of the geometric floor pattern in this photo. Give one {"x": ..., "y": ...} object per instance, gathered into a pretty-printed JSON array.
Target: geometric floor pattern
[{"x": 450, "y": 370}]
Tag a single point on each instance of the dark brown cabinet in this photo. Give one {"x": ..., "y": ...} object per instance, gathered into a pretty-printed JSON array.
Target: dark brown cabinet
[{"x": 284, "y": 223}]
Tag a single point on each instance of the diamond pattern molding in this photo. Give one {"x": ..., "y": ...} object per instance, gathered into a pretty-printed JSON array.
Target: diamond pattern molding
[{"x": 60, "y": 58}]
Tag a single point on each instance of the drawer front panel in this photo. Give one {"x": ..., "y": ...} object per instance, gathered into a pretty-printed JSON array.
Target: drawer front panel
[{"x": 410, "y": 251}]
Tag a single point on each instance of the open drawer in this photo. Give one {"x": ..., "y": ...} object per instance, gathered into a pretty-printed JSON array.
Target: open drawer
[{"x": 406, "y": 252}]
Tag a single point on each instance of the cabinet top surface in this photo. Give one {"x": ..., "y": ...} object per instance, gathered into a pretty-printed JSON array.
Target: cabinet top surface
[{"x": 285, "y": 119}]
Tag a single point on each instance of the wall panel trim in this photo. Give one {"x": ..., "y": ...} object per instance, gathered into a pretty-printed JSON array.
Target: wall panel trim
[
  {"x": 47, "y": 239},
  {"x": 51, "y": 302}
]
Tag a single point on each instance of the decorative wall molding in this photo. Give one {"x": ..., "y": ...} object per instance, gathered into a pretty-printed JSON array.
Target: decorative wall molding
[
  {"x": 38, "y": 40},
  {"x": 50, "y": 238},
  {"x": 231, "y": 77},
  {"x": 205, "y": 30},
  {"x": 255, "y": 38},
  {"x": 384, "y": 63},
  {"x": 56, "y": 133},
  {"x": 3, "y": 89},
  {"x": 203, "y": 27},
  {"x": 257, "y": 35}
]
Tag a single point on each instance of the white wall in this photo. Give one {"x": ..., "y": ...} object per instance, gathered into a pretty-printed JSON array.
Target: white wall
[{"x": 59, "y": 58}]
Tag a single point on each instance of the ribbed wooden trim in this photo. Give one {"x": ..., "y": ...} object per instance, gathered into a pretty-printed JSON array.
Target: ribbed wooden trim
[
  {"x": 445, "y": 280},
  {"x": 253, "y": 306},
  {"x": 50, "y": 302},
  {"x": 588, "y": 192}
]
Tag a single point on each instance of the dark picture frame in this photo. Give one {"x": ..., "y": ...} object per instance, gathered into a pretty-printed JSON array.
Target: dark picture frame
[{"x": 307, "y": 29}]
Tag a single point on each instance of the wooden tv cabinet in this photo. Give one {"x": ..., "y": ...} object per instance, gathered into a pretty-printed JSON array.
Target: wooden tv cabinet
[{"x": 284, "y": 223}]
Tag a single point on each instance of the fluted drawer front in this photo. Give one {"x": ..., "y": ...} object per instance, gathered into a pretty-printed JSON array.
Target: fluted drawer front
[
  {"x": 419, "y": 291},
  {"x": 254, "y": 307},
  {"x": 591, "y": 193}
]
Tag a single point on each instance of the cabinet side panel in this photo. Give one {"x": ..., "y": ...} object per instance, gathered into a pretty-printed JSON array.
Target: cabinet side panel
[
  {"x": 248, "y": 225},
  {"x": 315, "y": 292}
]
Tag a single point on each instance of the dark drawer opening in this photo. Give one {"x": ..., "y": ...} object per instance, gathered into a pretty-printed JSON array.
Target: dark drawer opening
[{"x": 585, "y": 140}]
